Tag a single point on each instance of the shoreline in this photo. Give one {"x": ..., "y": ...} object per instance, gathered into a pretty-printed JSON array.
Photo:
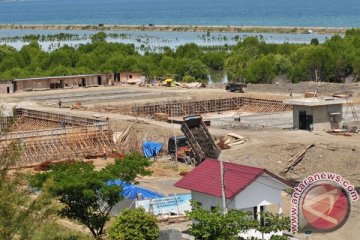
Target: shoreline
[{"x": 178, "y": 28}]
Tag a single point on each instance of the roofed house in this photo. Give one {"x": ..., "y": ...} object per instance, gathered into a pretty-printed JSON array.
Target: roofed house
[{"x": 246, "y": 188}]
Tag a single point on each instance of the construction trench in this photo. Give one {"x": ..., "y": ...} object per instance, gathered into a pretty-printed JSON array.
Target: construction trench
[{"x": 176, "y": 108}]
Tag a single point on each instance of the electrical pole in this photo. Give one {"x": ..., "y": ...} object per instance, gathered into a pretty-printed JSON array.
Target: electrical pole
[
  {"x": 172, "y": 124},
  {"x": 223, "y": 187}
]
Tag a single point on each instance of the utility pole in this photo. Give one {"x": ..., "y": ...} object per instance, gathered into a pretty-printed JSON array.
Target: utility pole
[
  {"x": 223, "y": 187},
  {"x": 175, "y": 139}
]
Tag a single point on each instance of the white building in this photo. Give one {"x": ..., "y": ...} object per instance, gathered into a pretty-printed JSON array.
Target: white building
[{"x": 246, "y": 188}]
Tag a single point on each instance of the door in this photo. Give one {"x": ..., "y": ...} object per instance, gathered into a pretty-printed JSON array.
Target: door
[
  {"x": 302, "y": 120},
  {"x": 83, "y": 82},
  {"x": 62, "y": 85},
  {"x": 99, "y": 80}
]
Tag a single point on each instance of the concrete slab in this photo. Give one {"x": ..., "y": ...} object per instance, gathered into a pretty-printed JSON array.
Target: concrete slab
[{"x": 316, "y": 101}]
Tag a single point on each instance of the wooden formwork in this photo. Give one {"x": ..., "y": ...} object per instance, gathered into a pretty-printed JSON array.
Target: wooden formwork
[
  {"x": 181, "y": 108},
  {"x": 59, "y": 144},
  {"x": 55, "y": 117},
  {"x": 46, "y": 136}
]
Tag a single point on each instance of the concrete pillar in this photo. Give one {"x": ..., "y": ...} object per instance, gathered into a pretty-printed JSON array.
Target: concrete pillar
[
  {"x": 258, "y": 212},
  {"x": 280, "y": 207}
]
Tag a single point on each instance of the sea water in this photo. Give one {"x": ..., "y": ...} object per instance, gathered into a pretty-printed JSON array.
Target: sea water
[{"x": 325, "y": 13}]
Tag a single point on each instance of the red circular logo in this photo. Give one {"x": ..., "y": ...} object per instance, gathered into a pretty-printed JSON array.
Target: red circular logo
[{"x": 326, "y": 207}]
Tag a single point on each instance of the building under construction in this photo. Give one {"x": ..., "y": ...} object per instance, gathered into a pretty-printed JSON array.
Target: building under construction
[
  {"x": 45, "y": 136},
  {"x": 183, "y": 108}
]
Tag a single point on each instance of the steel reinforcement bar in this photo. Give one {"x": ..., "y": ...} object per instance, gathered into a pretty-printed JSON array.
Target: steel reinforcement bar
[
  {"x": 182, "y": 108},
  {"x": 56, "y": 117},
  {"x": 59, "y": 144}
]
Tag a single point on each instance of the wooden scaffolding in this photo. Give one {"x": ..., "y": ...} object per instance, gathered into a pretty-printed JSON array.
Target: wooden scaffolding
[
  {"x": 45, "y": 136},
  {"x": 182, "y": 108}
]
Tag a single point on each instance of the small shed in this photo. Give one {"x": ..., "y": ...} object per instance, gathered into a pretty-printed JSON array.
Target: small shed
[
  {"x": 249, "y": 189},
  {"x": 130, "y": 77},
  {"x": 317, "y": 113},
  {"x": 6, "y": 87}
]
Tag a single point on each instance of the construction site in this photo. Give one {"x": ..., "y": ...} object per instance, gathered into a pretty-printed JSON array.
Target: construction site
[{"x": 255, "y": 128}]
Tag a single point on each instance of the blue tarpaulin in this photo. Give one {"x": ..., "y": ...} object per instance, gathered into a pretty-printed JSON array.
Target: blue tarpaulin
[
  {"x": 131, "y": 191},
  {"x": 150, "y": 147}
]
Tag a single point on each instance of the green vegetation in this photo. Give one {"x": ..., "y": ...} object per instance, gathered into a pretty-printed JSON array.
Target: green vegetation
[
  {"x": 22, "y": 215},
  {"x": 50, "y": 230},
  {"x": 208, "y": 225},
  {"x": 83, "y": 191},
  {"x": 135, "y": 224},
  {"x": 250, "y": 60}
]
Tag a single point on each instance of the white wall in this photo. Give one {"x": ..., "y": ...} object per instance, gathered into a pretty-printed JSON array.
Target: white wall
[{"x": 264, "y": 191}]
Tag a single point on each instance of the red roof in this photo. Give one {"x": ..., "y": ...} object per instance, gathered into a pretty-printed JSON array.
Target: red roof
[{"x": 205, "y": 178}]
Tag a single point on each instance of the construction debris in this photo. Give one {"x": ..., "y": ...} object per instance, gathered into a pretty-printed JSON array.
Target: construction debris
[
  {"x": 194, "y": 85},
  {"x": 311, "y": 94},
  {"x": 340, "y": 132},
  {"x": 161, "y": 117},
  {"x": 121, "y": 138},
  {"x": 297, "y": 158},
  {"x": 232, "y": 139}
]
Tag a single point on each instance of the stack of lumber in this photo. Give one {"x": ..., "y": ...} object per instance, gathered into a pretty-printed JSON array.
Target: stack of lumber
[
  {"x": 297, "y": 158},
  {"x": 231, "y": 139}
]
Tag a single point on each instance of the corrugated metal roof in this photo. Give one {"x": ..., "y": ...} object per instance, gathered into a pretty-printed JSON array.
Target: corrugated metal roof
[{"x": 205, "y": 178}]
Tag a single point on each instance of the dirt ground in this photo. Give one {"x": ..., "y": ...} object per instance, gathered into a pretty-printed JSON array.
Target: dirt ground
[{"x": 269, "y": 141}]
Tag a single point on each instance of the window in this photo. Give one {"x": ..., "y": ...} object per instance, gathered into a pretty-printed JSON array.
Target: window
[
  {"x": 255, "y": 213},
  {"x": 212, "y": 208}
]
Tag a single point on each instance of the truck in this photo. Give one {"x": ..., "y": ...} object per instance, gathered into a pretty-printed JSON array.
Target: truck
[
  {"x": 199, "y": 138},
  {"x": 178, "y": 147}
]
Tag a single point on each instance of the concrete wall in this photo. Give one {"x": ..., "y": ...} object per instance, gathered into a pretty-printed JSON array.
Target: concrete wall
[
  {"x": 6, "y": 87},
  {"x": 64, "y": 82},
  {"x": 133, "y": 76},
  {"x": 264, "y": 191},
  {"x": 321, "y": 116}
]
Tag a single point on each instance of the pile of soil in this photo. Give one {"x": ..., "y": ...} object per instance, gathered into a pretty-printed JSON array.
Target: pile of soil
[{"x": 207, "y": 145}]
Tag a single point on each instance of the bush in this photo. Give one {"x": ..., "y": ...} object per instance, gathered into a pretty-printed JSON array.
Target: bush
[
  {"x": 188, "y": 79},
  {"x": 134, "y": 224}
]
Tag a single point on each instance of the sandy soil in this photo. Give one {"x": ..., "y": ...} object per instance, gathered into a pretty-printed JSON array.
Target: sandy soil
[{"x": 267, "y": 146}]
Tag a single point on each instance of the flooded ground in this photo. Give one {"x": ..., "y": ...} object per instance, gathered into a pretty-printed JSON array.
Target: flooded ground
[{"x": 150, "y": 40}]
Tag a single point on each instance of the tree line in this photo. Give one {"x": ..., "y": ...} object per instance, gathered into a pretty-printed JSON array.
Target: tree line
[{"x": 251, "y": 60}]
